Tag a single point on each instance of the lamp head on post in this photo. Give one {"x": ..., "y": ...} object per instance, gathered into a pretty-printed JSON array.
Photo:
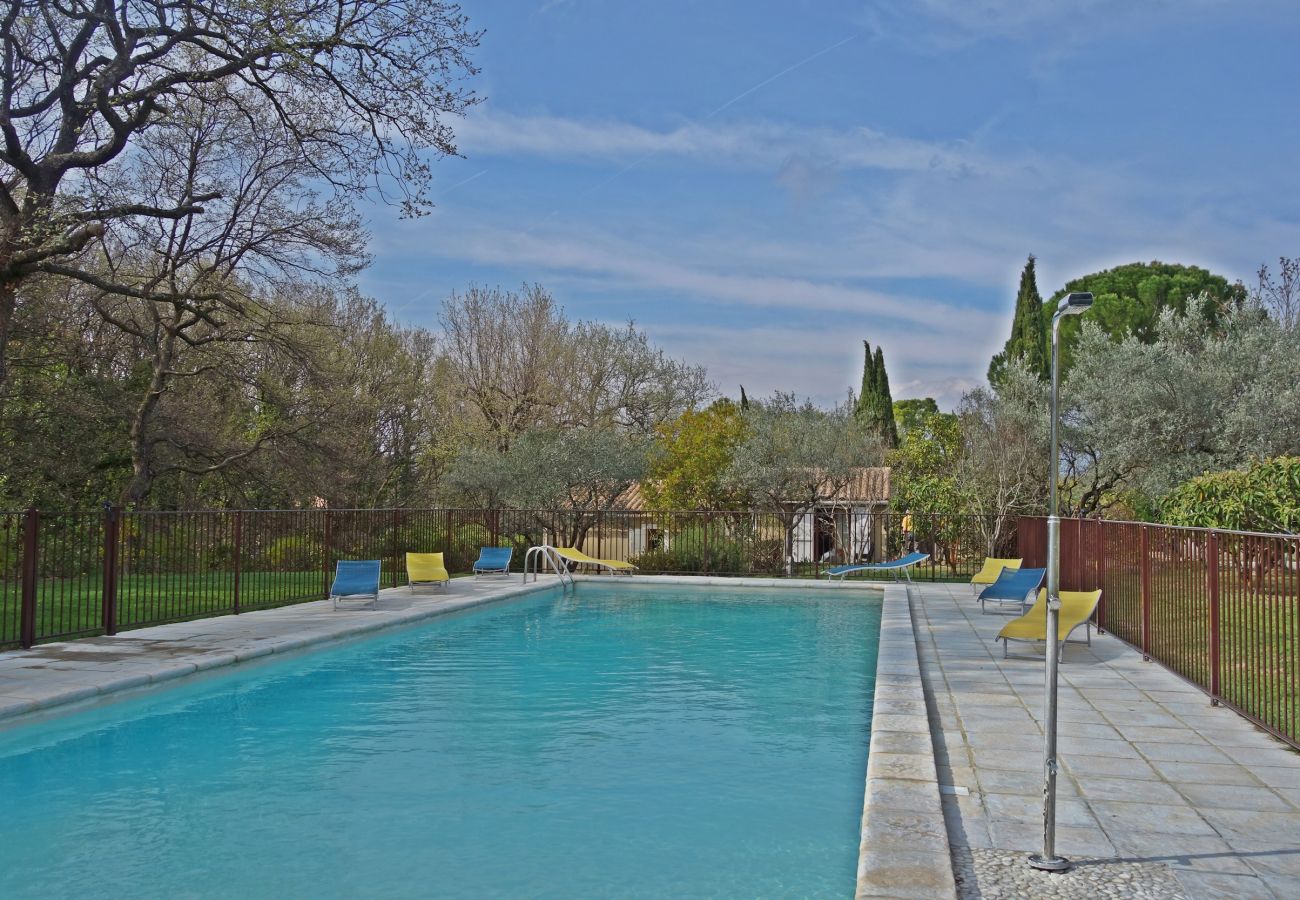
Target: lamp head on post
[{"x": 1074, "y": 303}]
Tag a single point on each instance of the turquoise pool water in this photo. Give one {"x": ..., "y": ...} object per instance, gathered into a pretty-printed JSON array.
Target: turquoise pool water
[{"x": 623, "y": 742}]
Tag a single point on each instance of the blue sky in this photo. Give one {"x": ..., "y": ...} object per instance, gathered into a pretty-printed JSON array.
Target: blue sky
[{"x": 763, "y": 185}]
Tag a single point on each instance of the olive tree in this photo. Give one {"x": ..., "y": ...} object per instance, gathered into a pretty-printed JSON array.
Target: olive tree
[
  {"x": 1196, "y": 399},
  {"x": 566, "y": 476},
  {"x": 793, "y": 455}
]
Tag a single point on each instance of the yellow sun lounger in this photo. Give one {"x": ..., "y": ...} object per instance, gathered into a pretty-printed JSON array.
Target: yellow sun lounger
[
  {"x": 425, "y": 569},
  {"x": 991, "y": 570},
  {"x": 615, "y": 566},
  {"x": 1076, "y": 609}
]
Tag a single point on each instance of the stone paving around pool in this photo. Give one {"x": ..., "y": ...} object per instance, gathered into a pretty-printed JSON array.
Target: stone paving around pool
[
  {"x": 1155, "y": 782},
  {"x": 90, "y": 670}
]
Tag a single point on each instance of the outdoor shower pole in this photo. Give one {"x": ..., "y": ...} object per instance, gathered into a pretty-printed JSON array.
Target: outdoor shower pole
[{"x": 1049, "y": 860}]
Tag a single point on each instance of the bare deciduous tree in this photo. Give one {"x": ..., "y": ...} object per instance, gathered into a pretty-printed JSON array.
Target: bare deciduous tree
[
  {"x": 616, "y": 378},
  {"x": 358, "y": 88},
  {"x": 520, "y": 364},
  {"x": 1281, "y": 298},
  {"x": 1001, "y": 471},
  {"x": 191, "y": 289},
  {"x": 506, "y": 352}
]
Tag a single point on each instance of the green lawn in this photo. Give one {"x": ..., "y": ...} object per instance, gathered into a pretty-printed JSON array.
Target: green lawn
[
  {"x": 1259, "y": 637},
  {"x": 72, "y": 606}
]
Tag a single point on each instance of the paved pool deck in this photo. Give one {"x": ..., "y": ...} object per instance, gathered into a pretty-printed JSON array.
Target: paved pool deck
[
  {"x": 50, "y": 677},
  {"x": 1151, "y": 776}
]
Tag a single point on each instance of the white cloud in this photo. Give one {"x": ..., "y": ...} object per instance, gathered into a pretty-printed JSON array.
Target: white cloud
[
  {"x": 763, "y": 145},
  {"x": 1063, "y": 22},
  {"x": 823, "y": 363},
  {"x": 644, "y": 267},
  {"x": 931, "y": 345},
  {"x": 942, "y": 213}
]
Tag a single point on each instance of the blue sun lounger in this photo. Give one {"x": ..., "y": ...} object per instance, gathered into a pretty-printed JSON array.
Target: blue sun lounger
[
  {"x": 356, "y": 579},
  {"x": 894, "y": 566},
  {"x": 1017, "y": 586},
  {"x": 493, "y": 561}
]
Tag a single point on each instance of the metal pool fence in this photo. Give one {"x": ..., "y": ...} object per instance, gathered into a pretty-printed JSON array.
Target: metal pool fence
[
  {"x": 1219, "y": 608},
  {"x": 75, "y": 574}
]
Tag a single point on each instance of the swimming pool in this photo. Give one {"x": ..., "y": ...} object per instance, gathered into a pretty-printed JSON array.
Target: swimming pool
[{"x": 624, "y": 741}]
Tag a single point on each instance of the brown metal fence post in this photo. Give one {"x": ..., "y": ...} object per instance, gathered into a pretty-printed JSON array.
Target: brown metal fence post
[
  {"x": 1144, "y": 561},
  {"x": 396, "y": 548},
  {"x": 328, "y": 530},
  {"x": 239, "y": 541},
  {"x": 1077, "y": 574},
  {"x": 112, "y": 524},
  {"x": 705, "y": 556},
  {"x": 1212, "y": 590},
  {"x": 1101, "y": 576},
  {"x": 31, "y": 538}
]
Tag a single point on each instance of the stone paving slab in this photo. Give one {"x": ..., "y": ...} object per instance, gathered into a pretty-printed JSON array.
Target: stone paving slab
[{"x": 1153, "y": 778}]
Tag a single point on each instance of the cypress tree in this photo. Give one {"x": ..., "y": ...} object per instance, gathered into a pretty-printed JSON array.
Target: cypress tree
[
  {"x": 744, "y": 400},
  {"x": 1028, "y": 340},
  {"x": 875, "y": 406},
  {"x": 884, "y": 417},
  {"x": 867, "y": 395}
]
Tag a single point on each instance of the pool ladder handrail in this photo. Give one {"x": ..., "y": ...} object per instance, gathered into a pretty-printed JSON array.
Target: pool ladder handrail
[{"x": 545, "y": 553}]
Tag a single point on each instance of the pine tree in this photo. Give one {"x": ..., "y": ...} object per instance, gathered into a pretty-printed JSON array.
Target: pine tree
[
  {"x": 1028, "y": 341},
  {"x": 885, "y": 423}
]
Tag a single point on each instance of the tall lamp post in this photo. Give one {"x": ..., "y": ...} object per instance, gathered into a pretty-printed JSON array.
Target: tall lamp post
[{"x": 1049, "y": 860}]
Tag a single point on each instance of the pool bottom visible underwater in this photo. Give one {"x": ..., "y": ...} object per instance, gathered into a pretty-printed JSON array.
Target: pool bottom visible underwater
[{"x": 623, "y": 742}]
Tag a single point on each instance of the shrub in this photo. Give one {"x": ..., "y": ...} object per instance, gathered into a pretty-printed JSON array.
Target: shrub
[
  {"x": 294, "y": 553},
  {"x": 1263, "y": 497},
  {"x": 690, "y": 550}
]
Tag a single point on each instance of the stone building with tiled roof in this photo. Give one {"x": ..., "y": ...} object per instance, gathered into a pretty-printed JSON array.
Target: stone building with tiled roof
[{"x": 846, "y": 525}]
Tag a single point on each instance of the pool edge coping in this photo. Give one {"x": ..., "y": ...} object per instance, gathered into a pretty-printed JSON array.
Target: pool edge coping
[{"x": 904, "y": 850}]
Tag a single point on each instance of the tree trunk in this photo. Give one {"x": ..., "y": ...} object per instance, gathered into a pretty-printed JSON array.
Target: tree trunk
[
  {"x": 790, "y": 525},
  {"x": 8, "y": 312},
  {"x": 142, "y": 469}
]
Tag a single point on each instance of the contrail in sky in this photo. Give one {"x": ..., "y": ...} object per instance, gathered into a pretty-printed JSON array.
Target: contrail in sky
[
  {"x": 786, "y": 71},
  {"x": 448, "y": 190}
]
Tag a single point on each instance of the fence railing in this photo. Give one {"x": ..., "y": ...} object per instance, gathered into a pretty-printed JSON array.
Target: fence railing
[
  {"x": 75, "y": 574},
  {"x": 1219, "y": 608}
]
